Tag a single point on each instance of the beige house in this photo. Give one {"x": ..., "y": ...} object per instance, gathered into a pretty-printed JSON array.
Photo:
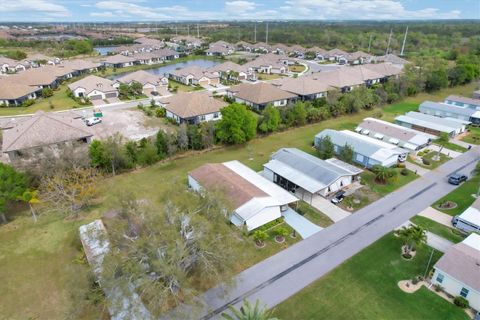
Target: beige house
[
  {"x": 118, "y": 61},
  {"x": 14, "y": 94},
  {"x": 31, "y": 137},
  {"x": 230, "y": 71},
  {"x": 94, "y": 88},
  {"x": 193, "y": 107},
  {"x": 307, "y": 88},
  {"x": 260, "y": 94},
  {"x": 194, "y": 75},
  {"x": 150, "y": 82}
]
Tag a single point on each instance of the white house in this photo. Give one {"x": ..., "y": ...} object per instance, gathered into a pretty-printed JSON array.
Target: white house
[
  {"x": 458, "y": 270},
  {"x": 194, "y": 75},
  {"x": 304, "y": 174},
  {"x": 469, "y": 220},
  {"x": 94, "y": 88},
  {"x": 254, "y": 200},
  {"x": 150, "y": 82}
]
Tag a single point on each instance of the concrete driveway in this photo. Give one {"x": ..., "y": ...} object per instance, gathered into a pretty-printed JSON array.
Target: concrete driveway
[
  {"x": 303, "y": 226},
  {"x": 332, "y": 211},
  {"x": 437, "y": 216},
  {"x": 445, "y": 151}
]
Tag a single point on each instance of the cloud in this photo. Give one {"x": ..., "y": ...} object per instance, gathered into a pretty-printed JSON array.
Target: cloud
[
  {"x": 239, "y": 6},
  {"x": 132, "y": 10},
  {"x": 40, "y": 7}
]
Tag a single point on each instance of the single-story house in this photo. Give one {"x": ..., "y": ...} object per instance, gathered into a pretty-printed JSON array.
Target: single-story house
[
  {"x": 149, "y": 81},
  {"x": 8, "y": 65},
  {"x": 337, "y": 55},
  {"x": 230, "y": 71},
  {"x": 194, "y": 75},
  {"x": 458, "y": 270},
  {"x": 94, "y": 88},
  {"x": 320, "y": 54},
  {"x": 386, "y": 69},
  {"x": 469, "y": 220},
  {"x": 297, "y": 51},
  {"x": 261, "y": 47},
  {"x": 269, "y": 64},
  {"x": 366, "y": 151},
  {"x": 280, "y": 48},
  {"x": 189, "y": 41},
  {"x": 305, "y": 175},
  {"x": 244, "y": 46},
  {"x": 31, "y": 136},
  {"x": 307, "y": 88},
  {"x": 463, "y": 102},
  {"x": 38, "y": 59},
  {"x": 220, "y": 48},
  {"x": 340, "y": 79},
  {"x": 403, "y": 137},
  {"x": 431, "y": 124},
  {"x": 359, "y": 57},
  {"x": 393, "y": 59},
  {"x": 118, "y": 61},
  {"x": 443, "y": 110},
  {"x": 253, "y": 200},
  {"x": 259, "y": 95},
  {"x": 193, "y": 107},
  {"x": 166, "y": 54},
  {"x": 14, "y": 94},
  {"x": 81, "y": 66},
  {"x": 46, "y": 77}
]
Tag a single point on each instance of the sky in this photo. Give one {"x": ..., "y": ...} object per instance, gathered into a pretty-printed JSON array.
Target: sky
[{"x": 166, "y": 10}]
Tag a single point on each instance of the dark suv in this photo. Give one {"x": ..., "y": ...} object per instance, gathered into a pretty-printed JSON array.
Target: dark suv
[
  {"x": 338, "y": 197},
  {"x": 457, "y": 178}
]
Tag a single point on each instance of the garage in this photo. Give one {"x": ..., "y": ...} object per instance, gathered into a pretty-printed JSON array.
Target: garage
[
  {"x": 204, "y": 82},
  {"x": 96, "y": 97},
  {"x": 111, "y": 95}
]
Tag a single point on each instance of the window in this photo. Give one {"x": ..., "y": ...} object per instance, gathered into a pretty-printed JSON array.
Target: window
[
  {"x": 464, "y": 292},
  {"x": 440, "y": 278},
  {"x": 215, "y": 115}
]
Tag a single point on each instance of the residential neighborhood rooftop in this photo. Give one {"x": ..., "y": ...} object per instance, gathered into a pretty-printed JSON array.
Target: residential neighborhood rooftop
[{"x": 260, "y": 93}]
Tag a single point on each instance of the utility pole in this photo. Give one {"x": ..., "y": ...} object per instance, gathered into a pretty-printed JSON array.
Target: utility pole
[
  {"x": 188, "y": 30},
  {"x": 266, "y": 35},
  {"x": 198, "y": 31},
  {"x": 389, "y": 39},
  {"x": 428, "y": 264},
  {"x": 370, "y": 44},
  {"x": 255, "y": 33},
  {"x": 176, "y": 31},
  {"x": 404, "y": 40}
]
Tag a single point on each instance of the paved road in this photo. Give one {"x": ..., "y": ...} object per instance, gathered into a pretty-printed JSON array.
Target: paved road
[{"x": 282, "y": 275}]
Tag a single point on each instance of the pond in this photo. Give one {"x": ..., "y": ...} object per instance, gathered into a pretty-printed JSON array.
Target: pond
[
  {"x": 203, "y": 63},
  {"x": 103, "y": 51}
]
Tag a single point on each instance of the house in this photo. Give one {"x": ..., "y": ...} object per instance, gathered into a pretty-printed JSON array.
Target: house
[
  {"x": 146, "y": 58},
  {"x": 38, "y": 59},
  {"x": 190, "y": 42},
  {"x": 280, "y": 48},
  {"x": 341, "y": 79},
  {"x": 80, "y": 66},
  {"x": 337, "y": 55},
  {"x": 14, "y": 94},
  {"x": 8, "y": 65},
  {"x": 94, "y": 88},
  {"x": 193, "y": 107},
  {"x": 28, "y": 139},
  {"x": 366, "y": 151},
  {"x": 431, "y": 124},
  {"x": 149, "y": 81},
  {"x": 463, "y": 102},
  {"x": 319, "y": 53},
  {"x": 307, "y": 88},
  {"x": 150, "y": 42},
  {"x": 297, "y": 51},
  {"x": 261, "y": 47},
  {"x": 458, "y": 270},
  {"x": 386, "y": 70},
  {"x": 253, "y": 200},
  {"x": 194, "y": 75},
  {"x": 244, "y": 46},
  {"x": 166, "y": 54},
  {"x": 443, "y": 110},
  {"x": 46, "y": 77},
  {"x": 269, "y": 64},
  {"x": 305, "y": 175},
  {"x": 359, "y": 57},
  {"x": 230, "y": 71},
  {"x": 469, "y": 220},
  {"x": 392, "y": 59},
  {"x": 118, "y": 61},
  {"x": 259, "y": 95},
  {"x": 403, "y": 137},
  {"x": 220, "y": 48}
]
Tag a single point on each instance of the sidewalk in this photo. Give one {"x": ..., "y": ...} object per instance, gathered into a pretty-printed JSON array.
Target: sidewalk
[
  {"x": 332, "y": 211},
  {"x": 416, "y": 168},
  {"x": 437, "y": 242},
  {"x": 437, "y": 216}
]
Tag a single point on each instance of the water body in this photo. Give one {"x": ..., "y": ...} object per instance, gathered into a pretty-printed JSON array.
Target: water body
[
  {"x": 103, "y": 51},
  {"x": 160, "y": 71}
]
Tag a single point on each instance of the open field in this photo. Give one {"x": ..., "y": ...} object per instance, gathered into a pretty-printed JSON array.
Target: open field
[
  {"x": 44, "y": 252},
  {"x": 365, "y": 287},
  {"x": 439, "y": 229},
  {"x": 473, "y": 137},
  {"x": 462, "y": 196}
]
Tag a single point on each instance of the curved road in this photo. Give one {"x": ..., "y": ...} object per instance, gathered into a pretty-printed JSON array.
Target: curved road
[{"x": 284, "y": 274}]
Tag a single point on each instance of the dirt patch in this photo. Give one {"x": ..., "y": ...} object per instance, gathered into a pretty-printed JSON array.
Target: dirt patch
[
  {"x": 447, "y": 205},
  {"x": 408, "y": 287}
]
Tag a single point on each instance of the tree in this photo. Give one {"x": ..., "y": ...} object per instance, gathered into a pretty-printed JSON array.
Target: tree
[
  {"x": 346, "y": 153},
  {"x": 441, "y": 141},
  {"x": 161, "y": 144},
  {"x": 147, "y": 154},
  {"x": 297, "y": 115},
  {"x": 207, "y": 131},
  {"x": 238, "y": 124},
  {"x": 381, "y": 173},
  {"x": 195, "y": 141},
  {"x": 97, "y": 154},
  {"x": 249, "y": 312},
  {"x": 114, "y": 153},
  {"x": 47, "y": 92},
  {"x": 412, "y": 236},
  {"x": 325, "y": 148},
  {"x": 136, "y": 88},
  {"x": 12, "y": 185},
  {"x": 260, "y": 236},
  {"x": 270, "y": 119},
  {"x": 30, "y": 197},
  {"x": 182, "y": 137}
]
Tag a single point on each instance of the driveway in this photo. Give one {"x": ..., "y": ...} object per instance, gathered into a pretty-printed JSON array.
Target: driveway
[
  {"x": 445, "y": 151},
  {"x": 437, "y": 216},
  {"x": 332, "y": 211},
  {"x": 300, "y": 224},
  {"x": 437, "y": 242},
  {"x": 416, "y": 168}
]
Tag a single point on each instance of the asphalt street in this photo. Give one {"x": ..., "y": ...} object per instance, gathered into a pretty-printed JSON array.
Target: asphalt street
[{"x": 284, "y": 274}]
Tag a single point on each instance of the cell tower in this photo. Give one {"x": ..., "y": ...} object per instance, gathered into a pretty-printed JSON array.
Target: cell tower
[{"x": 404, "y": 40}]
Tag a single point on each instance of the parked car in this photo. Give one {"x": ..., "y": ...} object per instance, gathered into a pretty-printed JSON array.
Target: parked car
[
  {"x": 154, "y": 93},
  {"x": 338, "y": 197},
  {"x": 457, "y": 178},
  {"x": 454, "y": 221},
  {"x": 92, "y": 121}
]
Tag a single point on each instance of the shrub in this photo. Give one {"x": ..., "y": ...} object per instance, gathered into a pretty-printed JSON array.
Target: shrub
[
  {"x": 461, "y": 302},
  {"x": 260, "y": 236},
  {"x": 28, "y": 103},
  {"x": 401, "y": 165},
  {"x": 437, "y": 287},
  {"x": 47, "y": 92},
  {"x": 160, "y": 113},
  {"x": 426, "y": 161},
  {"x": 404, "y": 172},
  {"x": 415, "y": 280},
  {"x": 281, "y": 232},
  {"x": 407, "y": 256}
]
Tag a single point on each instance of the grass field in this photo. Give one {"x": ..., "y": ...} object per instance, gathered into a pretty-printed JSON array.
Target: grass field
[
  {"x": 312, "y": 214},
  {"x": 368, "y": 178},
  {"x": 439, "y": 229},
  {"x": 454, "y": 147},
  {"x": 462, "y": 196},
  {"x": 473, "y": 137},
  {"x": 365, "y": 287},
  {"x": 267, "y": 76},
  {"x": 430, "y": 157},
  {"x": 297, "y": 68},
  {"x": 40, "y": 279}
]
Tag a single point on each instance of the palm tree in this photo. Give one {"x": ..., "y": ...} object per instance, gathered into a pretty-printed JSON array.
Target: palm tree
[
  {"x": 405, "y": 235},
  {"x": 441, "y": 141},
  {"x": 412, "y": 236},
  {"x": 30, "y": 197},
  {"x": 381, "y": 173},
  {"x": 249, "y": 312}
]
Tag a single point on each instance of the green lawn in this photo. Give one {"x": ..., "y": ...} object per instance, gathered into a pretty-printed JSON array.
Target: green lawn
[
  {"x": 400, "y": 108},
  {"x": 462, "y": 196},
  {"x": 454, "y": 147},
  {"x": 430, "y": 157},
  {"x": 368, "y": 178},
  {"x": 473, "y": 137},
  {"x": 439, "y": 229},
  {"x": 266, "y": 76},
  {"x": 312, "y": 214},
  {"x": 297, "y": 68},
  {"x": 365, "y": 287},
  {"x": 183, "y": 87}
]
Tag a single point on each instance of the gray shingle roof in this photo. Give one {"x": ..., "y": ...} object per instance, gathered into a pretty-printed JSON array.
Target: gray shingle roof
[{"x": 429, "y": 105}]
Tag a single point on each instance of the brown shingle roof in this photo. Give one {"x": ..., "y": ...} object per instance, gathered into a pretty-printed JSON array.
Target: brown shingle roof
[
  {"x": 302, "y": 85},
  {"x": 93, "y": 82},
  {"x": 118, "y": 58},
  {"x": 260, "y": 93},
  {"x": 216, "y": 176},
  {"x": 11, "y": 90},
  {"x": 192, "y": 104},
  {"x": 140, "y": 76},
  {"x": 43, "y": 129},
  {"x": 35, "y": 77},
  {"x": 196, "y": 71}
]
